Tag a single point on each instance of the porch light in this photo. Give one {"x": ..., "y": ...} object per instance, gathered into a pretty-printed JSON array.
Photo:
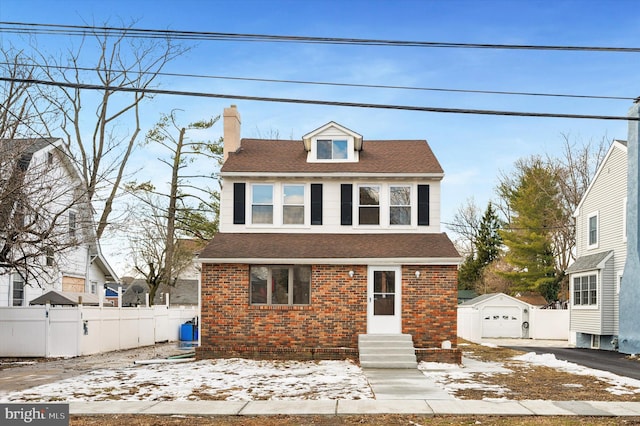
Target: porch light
[
  {"x": 351, "y": 274},
  {"x": 417, "y": 274}
]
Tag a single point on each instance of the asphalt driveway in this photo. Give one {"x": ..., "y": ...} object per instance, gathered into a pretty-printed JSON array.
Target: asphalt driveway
[{"x": 613, "y": 362}]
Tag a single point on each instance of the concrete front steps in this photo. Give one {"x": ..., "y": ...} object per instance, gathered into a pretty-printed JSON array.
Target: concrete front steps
[{"x": 387, "y": 351}]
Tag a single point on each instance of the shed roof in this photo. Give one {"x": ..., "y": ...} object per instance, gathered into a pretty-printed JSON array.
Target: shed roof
[{"x": 590, "y": 262}]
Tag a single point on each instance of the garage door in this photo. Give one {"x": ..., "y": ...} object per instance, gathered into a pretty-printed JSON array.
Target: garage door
[{"x": 501, "y": 321}]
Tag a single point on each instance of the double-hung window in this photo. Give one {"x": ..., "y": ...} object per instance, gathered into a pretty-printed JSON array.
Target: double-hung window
[
  {"x": 593, "y": 230},
  {"x": 280, "y": 285},
  {"x": 293, "y": 204},
  {"x": 332, "y": 149},
  {"x": 18, "y": 290},
  {"x": 262, "y": 204},
  {"x": 400, "y": 205},
  {"x": 369, "y": 205},
  {"x": 585, "y": 290}
]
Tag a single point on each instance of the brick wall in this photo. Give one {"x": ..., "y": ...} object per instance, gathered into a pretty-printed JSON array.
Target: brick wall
[{"x": 328, "y": 328}]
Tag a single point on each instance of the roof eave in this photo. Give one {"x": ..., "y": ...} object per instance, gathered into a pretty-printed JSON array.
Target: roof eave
[
  {"x": 448, "y": 261},
  {"x": 336, "y": 174}
]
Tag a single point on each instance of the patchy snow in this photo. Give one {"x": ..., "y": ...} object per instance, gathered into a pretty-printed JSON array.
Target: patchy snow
[
  {"x": 620, "y": 385},
  {"x": 244, "y": 380},
  {"x": 223, "y": 379}
]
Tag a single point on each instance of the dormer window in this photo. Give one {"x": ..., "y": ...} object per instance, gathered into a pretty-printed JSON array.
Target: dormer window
[
  {"x": 332, "y": 143},
  {"x": 332, "y": 149}
]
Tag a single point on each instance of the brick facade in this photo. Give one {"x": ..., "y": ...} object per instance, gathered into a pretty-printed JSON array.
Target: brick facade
[{"x": 328, "y": 328}]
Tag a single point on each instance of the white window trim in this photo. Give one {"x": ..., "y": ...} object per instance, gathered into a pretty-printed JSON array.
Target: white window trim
[
  {"x": 412, "y": 205},
  {"x": 383, "y": 216},
  {"x": 597, "y": 243},
  {"x": 598, "y": 290},
  {"x": 351, "y": 154},
  {"x": 306, "y": 205},
  {"x": 11, "y": 287},
  {"x": 273, "y": 205}
]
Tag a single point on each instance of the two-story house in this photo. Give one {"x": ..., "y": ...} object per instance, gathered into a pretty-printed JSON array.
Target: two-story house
[
  {"x": 601, "y": 252},
  {"x": 47, "y": 238},
  {"x": 325, "y": 239}
]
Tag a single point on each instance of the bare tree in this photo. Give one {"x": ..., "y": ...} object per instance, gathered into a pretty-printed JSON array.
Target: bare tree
[
  {"x": 42, "y": 216},
  {"x": 576, "y": 167},
  {"x": 93, "y": 125},
  {"x": 147, "y": 243},
  {"x": 466, "y": 226},
  {"x": 182, "y": 188}
]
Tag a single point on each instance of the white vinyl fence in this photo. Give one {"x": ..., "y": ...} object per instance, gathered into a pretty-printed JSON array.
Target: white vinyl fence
[
  {"x": 46, "y": 331},
  {"x": 544, "y": 324}
]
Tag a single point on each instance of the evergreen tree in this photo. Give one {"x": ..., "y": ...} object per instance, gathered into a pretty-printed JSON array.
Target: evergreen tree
[
  {"x": 486, "y": 248},
  {"x": 489, "y": 240},
  {"x": 533, "y": 201}
]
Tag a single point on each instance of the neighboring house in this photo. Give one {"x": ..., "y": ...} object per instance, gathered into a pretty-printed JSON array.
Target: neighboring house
[
  {"x": 42, "y": 192},
  {"x": 601, "y": 252},
  {"x": 533, "y": 299},
  {"x": 183, "y": 293},
  {"x": 325, "y": 239},
  {"x": 464, "y": 295}
]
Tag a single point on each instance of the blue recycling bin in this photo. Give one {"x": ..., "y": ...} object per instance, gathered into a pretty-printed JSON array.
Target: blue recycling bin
[{"x": 188, "y": 332}]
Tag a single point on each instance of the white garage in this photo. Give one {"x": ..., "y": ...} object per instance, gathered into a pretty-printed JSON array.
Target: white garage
[{"x": 493, "y": 315}]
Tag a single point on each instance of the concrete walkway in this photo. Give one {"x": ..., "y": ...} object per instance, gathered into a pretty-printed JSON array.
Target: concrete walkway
[
  {"x": 359, "y": 407},
  {"x": 397, "y": 392}
]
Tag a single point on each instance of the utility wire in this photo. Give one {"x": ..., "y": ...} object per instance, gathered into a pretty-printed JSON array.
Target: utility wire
[
  {"x": 83, "y": 86},
  {"x": 84, "y": 30},
  {"x": 321, "y": 83}
]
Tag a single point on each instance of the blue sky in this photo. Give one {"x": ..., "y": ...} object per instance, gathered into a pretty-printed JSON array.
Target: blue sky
[{"x": 473, "y": 149}]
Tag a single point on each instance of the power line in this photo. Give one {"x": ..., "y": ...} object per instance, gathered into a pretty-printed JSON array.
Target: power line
[
  {"x": 83, "y": 86},
  {"x": 333, "y": 84},
  {"x": 84, "y": 30}
]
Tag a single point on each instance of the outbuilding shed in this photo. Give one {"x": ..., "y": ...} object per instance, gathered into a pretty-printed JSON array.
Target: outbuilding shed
[{"x": 495, "y": 315}]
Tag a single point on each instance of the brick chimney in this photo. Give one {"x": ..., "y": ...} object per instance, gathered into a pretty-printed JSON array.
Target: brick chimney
[{"x": 231, "y": 135}]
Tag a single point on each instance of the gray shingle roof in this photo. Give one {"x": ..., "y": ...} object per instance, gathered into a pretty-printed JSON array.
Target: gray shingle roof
[
  {"x": 328, "y": 246},
  {"x": 589, "y": 263},
  {"x": 385, "y": 156}
]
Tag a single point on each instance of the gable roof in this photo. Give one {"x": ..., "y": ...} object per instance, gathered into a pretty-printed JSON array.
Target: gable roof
[
  {"x": 68, "y": 298},
  {"x": 485, "y": 298},
  {"x": 377, "y": 157},
  {"x": 332, "y": 124},
  {"x": 416, "y": 248},
  {"x": 617, "y": 144}
]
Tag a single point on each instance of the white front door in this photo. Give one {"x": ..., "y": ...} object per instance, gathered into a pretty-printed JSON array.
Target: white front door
[{"x": 384, "y": 299}]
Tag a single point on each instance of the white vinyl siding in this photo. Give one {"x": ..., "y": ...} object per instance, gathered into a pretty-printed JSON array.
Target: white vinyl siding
[
  {"x": 606, "y": 196},
  {"x": 331, "y": 206}
]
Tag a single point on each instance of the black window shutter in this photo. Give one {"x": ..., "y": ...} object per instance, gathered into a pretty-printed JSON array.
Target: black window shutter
[
  {"x": 238, "y": 203},
  {"x": 316, "y": 204},
  {"x": 423, "y": 205},
  {"x": 346, "y": 201}
]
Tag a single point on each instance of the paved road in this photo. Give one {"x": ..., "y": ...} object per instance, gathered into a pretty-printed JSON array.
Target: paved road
[{"x": 613, "y": 362}]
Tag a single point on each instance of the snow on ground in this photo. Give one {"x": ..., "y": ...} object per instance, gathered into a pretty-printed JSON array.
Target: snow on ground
[
  {"x": 223, "y": 379},
  {"x": 243, "y": 380},
  {"x": 619, "y": 385}
]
